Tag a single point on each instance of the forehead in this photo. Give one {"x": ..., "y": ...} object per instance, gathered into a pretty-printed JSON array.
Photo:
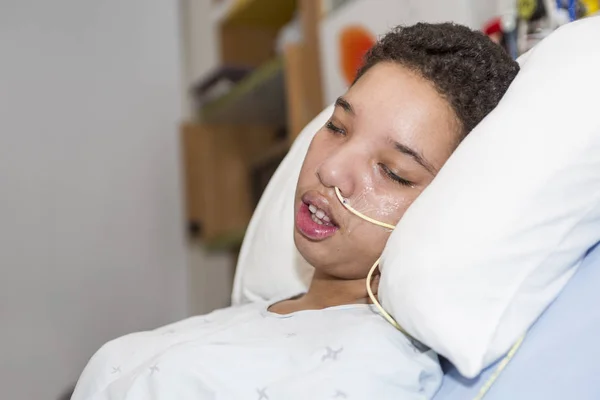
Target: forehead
[{"x": 391, "y": 101}]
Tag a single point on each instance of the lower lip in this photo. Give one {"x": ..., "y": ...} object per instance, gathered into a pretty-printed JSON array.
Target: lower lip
[{"x": 310, "y": 228}]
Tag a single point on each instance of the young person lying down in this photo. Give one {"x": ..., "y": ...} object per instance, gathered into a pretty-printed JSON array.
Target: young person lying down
[{"x": 421, "y": 90}]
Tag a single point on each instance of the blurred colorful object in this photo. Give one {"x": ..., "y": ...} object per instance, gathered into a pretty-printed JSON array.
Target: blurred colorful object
[
  {"x": 527, "y": 8},
  {"x": 347, "y": 31},
  {"x": 493, "y": 29},
  {"x": 591, "y": 6},
  {"x": 354, "y": 42}
]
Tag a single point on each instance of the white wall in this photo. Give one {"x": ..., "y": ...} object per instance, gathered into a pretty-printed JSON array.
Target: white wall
[{"x": 91, "y": 241}]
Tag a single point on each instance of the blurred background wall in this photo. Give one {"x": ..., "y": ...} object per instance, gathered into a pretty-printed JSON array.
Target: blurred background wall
[
  {"x": 210, "y": 273},
  {"x": 91, "y": 237}
]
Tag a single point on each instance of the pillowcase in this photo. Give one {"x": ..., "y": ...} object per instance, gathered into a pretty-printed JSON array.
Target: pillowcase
[
  {"x": 491, "y": 242},
  {"x": 269, "y": 265},
  {"x": 559, "y": 357}
]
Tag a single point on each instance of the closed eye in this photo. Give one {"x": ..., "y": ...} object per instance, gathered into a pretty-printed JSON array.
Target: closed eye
[
  {"x": 395, "y": 177},
  {"x": 335, "y": 129}
]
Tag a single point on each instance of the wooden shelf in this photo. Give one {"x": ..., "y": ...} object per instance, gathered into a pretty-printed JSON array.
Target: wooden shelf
[
  {"x": 233, "y": 238},
  {"x": 226, "y": 241},
  {"x": 265, "y": 13},
  {"x": 218, "y": 181},
  {"x": 232, "y": 150},
  {"x": 257, "y": 99}
]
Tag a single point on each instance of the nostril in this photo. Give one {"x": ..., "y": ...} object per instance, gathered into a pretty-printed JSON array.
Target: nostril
[{"x": 340, "y": 195}]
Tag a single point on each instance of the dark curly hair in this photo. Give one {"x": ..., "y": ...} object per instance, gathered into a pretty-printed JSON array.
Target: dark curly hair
[{"x": 469, "y": 70}]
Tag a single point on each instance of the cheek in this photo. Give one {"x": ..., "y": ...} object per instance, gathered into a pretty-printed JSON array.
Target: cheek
[
  {"x": 370, "y": 238},
  {"x": 387, "y": 208},
  {"x": 365, "y": 245},
  {"x": 365, "y": 236},
  {"x": 392, "y": 208}
]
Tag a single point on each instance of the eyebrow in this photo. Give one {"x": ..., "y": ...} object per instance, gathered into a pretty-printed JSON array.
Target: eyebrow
[
  {"x": 343, "y": 103},
  {"x": 415, "y": 156}
]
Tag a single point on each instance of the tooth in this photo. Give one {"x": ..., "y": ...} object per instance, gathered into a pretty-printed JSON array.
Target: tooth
[
  {"x": 315, "y": 219},
  {"x": 320, "y": 214},
  {"x": 326, "y": 218},
  {"x": 312, "y": 208}
]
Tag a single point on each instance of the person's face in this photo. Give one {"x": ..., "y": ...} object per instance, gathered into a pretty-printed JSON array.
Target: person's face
[{"x": 387, "y": 138}]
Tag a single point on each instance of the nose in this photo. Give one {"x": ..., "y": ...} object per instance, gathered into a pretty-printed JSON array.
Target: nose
[{"x": 340, "y": 169}]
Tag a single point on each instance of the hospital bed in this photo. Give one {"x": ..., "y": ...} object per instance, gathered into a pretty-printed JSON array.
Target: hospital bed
[{"x": 560, "y": 356}]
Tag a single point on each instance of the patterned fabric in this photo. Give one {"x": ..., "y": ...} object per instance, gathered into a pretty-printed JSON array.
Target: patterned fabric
[{"x": 247, "y": 352}]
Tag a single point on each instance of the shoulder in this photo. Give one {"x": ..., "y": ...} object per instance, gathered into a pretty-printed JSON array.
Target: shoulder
[
  {"x": 105, "y": 365},
  {"x": 139, "y": 366},
  {"x": 127, "y": 353}
]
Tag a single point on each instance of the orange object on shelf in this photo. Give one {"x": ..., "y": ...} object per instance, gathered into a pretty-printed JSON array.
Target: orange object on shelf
[{"x": 354, "y": 43}]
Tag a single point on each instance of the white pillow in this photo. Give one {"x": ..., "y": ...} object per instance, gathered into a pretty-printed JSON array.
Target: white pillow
[
  {"x": 485, "y": 249},
  {"x": 269, "y": 265},
  {"x": 491, "y": 242}
]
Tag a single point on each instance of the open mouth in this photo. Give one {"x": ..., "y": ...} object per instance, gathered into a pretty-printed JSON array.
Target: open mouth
[
  {"x": 319, "y": 216},
  {"x": 314, "y": 219}
]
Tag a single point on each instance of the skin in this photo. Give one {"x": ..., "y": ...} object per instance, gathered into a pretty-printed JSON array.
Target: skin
[{"x": 391, "y": 121}]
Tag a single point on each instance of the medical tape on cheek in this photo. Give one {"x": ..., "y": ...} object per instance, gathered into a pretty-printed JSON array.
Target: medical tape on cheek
[
  {"x": 359, "y": 214},
  {"x": 384, "y": 313}
]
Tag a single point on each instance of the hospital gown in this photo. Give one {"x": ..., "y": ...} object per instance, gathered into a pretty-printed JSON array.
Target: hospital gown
[{"x": 248, "y": 352}]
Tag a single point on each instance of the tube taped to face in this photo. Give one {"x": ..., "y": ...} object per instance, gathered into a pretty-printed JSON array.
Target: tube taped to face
[
  {"x": 384, "y": 313},
  {"x": 359, "y": 214}
]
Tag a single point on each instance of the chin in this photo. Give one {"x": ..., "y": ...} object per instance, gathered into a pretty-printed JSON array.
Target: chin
[{"x": 315, "y": 253}]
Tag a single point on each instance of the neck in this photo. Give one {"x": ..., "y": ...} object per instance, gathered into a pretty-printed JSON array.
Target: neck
[{"x": 328, "y": 291}]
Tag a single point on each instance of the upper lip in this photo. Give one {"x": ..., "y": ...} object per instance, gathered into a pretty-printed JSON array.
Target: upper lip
[{"x": 321, "y": 202}]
